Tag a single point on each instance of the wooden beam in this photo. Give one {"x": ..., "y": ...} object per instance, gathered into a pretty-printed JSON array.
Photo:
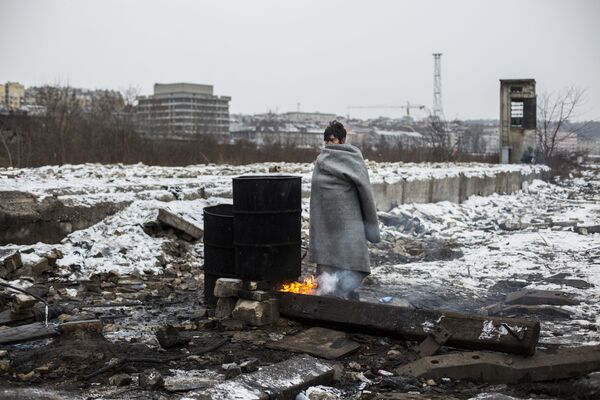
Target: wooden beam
[{"x": 509, "y": 335}]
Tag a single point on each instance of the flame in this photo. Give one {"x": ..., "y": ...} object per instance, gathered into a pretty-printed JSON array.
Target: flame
[{"x": 307, "y": 286}]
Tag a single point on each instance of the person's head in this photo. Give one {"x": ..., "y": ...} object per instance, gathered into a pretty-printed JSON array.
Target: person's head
[{"x": 335, "y": 133}]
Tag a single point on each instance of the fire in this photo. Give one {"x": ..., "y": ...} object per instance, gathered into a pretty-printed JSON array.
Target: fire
[{"x": 307, "y": 286}]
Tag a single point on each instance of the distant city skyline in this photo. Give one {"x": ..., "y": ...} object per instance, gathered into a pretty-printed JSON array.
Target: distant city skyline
[{"x": 324, "y": 56}]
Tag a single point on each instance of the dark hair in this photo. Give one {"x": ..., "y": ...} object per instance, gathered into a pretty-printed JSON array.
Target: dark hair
[{"x": 336, "y": 129}]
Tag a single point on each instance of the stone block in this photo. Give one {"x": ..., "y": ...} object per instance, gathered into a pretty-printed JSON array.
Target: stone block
[
  {"x": 10, "y": 261},
  {"x": 227, "y": 287},
  {"x": 445, "y": 189},
  {"x": 513, "y": 181},
  {"x": 501, "y": 182},
  {"x": 489, "y": 185},
  {"x": 151, "y": 379},
  {"x": 255, "y": 295},
  {"x": 472, "y": 185},
  {"x": 417, "y": 191},
  {"x": 225, "y": 306},
  {"x": 379, "y": 196},
  {"x": 22, "y": 303},
  {"x": 257, "y": 313}
]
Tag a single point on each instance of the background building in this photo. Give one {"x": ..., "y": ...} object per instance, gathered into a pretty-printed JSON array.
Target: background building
[
  {"x": 182, "y": 110},
  {"x": 14, "y": 94}
]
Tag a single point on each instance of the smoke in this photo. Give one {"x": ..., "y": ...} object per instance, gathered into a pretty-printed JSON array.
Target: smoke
[{"x": 338, "y": 284}]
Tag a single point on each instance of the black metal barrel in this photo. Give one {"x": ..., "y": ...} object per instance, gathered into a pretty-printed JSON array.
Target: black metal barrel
[
  {"x": 219, "y": 256},
  {"x": 266, "y": 227}
]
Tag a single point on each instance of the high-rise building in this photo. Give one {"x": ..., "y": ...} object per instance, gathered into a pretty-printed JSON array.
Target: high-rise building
[{"x": 183, "y": 110}]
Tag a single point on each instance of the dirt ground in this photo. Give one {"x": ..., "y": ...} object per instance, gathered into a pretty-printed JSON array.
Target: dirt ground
[{"x": 134, "y": 304}]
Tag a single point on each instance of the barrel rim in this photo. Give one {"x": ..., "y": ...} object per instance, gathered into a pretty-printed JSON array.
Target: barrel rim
[
  {"x": 269, "y": 177},
  {"x": 213, "y": 210}
]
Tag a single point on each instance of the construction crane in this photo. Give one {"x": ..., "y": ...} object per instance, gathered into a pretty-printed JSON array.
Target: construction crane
[{"x": 408, "y": 106}]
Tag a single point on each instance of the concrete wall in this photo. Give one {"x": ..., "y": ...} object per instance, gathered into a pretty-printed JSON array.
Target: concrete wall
[
  {"x": 417, "y": 191},
  {"x": 455, "y": 189}
]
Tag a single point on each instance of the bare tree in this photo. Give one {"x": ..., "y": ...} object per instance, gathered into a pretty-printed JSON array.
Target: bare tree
[
  {"x": 555, "y": 110},
  {"x": 437, "y": 137}
]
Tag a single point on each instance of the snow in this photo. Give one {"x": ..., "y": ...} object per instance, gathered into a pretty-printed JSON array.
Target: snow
[{"x": 490, "y": 255}]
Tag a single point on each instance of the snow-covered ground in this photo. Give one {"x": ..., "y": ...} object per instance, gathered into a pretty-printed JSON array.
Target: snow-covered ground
[
  {"x": 92, "y": 183},
  {"x": 525, "y": 256}
]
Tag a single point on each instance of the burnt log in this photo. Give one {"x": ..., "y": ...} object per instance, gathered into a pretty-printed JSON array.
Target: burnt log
[{"x": 509, "y": 335}]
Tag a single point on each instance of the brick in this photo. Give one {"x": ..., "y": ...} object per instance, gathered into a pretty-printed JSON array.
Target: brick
[
  {"x": 257, "y": 313},
  {"x": 227, "y": 287}
]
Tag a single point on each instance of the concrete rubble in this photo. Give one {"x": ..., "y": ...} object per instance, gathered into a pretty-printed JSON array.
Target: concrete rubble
[{"x": 126, "y": 315}]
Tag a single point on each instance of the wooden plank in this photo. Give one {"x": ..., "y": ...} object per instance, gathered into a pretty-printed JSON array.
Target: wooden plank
[
  {"x": 320, "y": 342},
  {"x": 25, "y": 333},
  {"x": 479, "y": 366},
  {"x": 509, "y": 335}
]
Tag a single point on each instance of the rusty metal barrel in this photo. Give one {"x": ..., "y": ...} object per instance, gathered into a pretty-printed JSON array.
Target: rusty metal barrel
[
  {"x": 219, "y": 256},
  {"x": 266, "y": 227}
]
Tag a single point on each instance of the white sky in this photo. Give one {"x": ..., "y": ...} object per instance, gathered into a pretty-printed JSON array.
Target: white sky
[{"x": 326, "y": 55}]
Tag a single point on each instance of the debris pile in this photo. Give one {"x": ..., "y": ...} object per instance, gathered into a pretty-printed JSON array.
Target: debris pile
[{"x": 241, "y": 303}]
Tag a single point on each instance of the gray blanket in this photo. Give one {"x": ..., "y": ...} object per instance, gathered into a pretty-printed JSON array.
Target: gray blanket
[{"x": 343, "y": 215}]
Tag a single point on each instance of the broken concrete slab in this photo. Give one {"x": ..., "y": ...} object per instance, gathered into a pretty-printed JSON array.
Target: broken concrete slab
[
  {"x": 563, "y": 363},
  {"x": 183, "y": 381},
  {"x": 257, "y": 313},
  {"x": 25, "y": 333},
  {"x": 540, "y": 297},
  {"x": 320, "y": 342},
  {"x": 587, "y": 229},
  {"x": 176, "y": 221},
  {"x": 576, "y": 283},
  {"x": 510, "y": 335},
  {"x": 283, "y": 380}
]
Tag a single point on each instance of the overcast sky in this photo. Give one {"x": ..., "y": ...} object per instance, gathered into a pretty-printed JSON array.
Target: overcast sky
[{"x": 325, "y": 55}]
